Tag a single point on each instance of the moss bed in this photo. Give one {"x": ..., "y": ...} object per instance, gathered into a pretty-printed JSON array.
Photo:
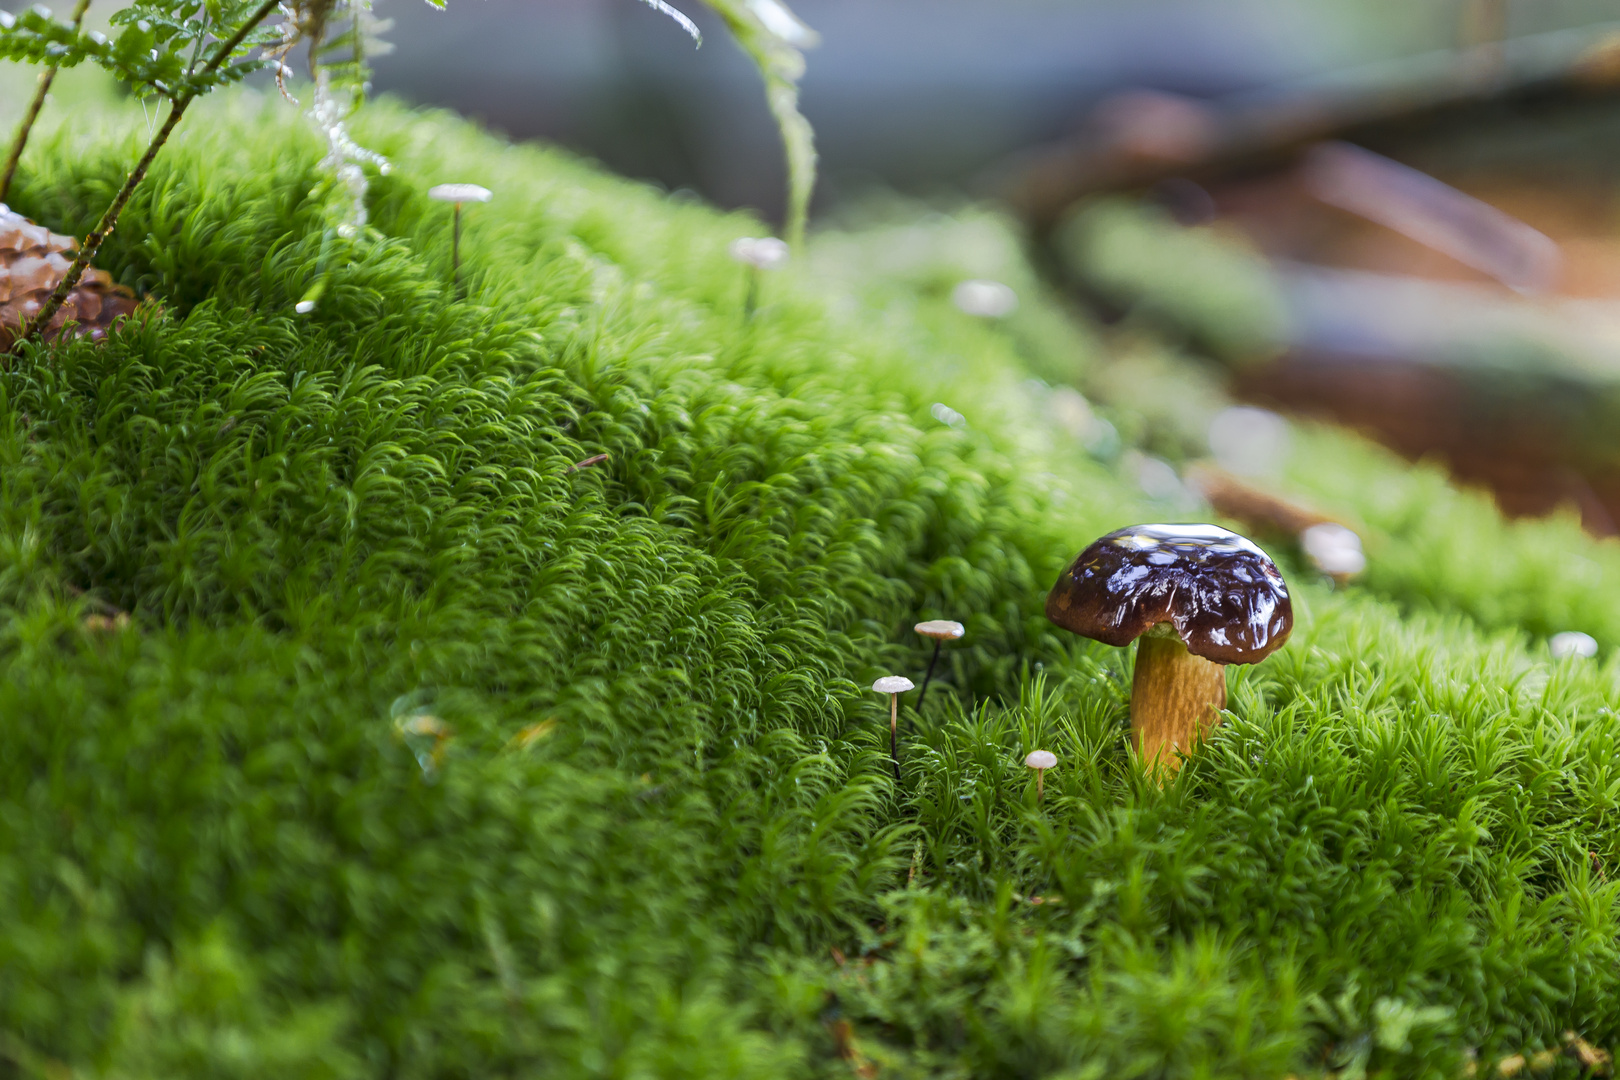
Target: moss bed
[{"x": 423, "y": 756}]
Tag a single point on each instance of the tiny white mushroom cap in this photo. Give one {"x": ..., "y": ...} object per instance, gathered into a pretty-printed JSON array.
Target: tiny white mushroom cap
[
  {"x": 1334, "y": 549},
  {"x": 893, "y": 684},
  {"x": 940, "y": 629},
  {"x": 304, "y": 307},
  {"x": 985, "y": 299},
  {"x": 762, "y": 252},
  {"x": 459, "y": 193},
  {"x": 1041, "y": 759},
  {"x": 1573, "y": 643}
]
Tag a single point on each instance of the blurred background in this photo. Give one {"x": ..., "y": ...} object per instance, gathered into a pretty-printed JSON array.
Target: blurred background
[
  {"x": 1399, "y": 217},
  {"x": 917, "y": 95},
  {"x": 1201, "y": 222}
]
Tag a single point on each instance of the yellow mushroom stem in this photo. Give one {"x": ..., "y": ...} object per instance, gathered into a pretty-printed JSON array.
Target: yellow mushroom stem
[{"x": 1176, "y": 698}]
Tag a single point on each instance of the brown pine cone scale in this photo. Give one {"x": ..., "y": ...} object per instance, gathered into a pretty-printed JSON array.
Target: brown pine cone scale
[{"x": 33, "y": 261}]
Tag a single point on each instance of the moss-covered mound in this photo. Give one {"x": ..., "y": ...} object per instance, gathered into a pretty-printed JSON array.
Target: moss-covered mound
[{"x": 422, "y": 754}]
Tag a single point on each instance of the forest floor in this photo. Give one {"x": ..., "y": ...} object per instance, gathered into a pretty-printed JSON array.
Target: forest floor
[{"x": 349, "y": 732}]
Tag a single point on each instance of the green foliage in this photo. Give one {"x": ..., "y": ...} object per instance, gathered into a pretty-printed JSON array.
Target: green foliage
[
  {"x": 425, "y": 756},
  {"x": 1209, "y": 286},
  {"x": 773, "y": 38},
  {"x": 168, "y": 47}
]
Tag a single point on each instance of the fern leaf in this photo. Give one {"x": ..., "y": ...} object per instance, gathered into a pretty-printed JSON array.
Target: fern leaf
[{"x": 773, "y": 37}]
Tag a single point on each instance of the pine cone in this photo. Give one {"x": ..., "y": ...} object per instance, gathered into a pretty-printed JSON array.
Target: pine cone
[{"x": 33, "y": 261}]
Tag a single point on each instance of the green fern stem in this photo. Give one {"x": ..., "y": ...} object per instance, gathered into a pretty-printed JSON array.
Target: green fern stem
[
  {"x": 109, "y": 218},
  {"x": 46, "y": 77}
]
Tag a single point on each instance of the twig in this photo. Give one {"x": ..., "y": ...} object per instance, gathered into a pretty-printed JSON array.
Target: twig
[
  {"x": 109, "y": 219},
  {"x": 46, "y": 77},
  {"x": 1249, "y": 138},
  {"x": 594, "y": 459},
  {"x": 1257, "y": 509}
]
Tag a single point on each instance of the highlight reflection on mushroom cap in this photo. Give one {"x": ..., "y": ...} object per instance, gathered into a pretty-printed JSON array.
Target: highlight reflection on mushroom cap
[{"x": 1220, "y": 592}]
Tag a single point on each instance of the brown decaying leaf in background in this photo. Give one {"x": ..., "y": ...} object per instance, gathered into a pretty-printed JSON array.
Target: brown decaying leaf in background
[{"x": 33, "y": 261}]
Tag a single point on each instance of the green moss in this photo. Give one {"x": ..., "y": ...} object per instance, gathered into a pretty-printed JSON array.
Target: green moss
[{"x": 425, "y": 756}]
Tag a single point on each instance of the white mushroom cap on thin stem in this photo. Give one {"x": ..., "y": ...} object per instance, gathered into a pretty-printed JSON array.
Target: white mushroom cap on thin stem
[
  {"x": 940, "y": 629},
  {"x": 893, "y": 684},
  {"x": 460, "y": 193},
  {"x": 760, "y": 252},
  {"x": 1041, "y": 759}
]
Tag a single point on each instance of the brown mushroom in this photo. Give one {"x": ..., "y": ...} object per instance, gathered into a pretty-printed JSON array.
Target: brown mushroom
[
  {"x": 941, "y": 630},
  {"x": 1198, "y": 598}
]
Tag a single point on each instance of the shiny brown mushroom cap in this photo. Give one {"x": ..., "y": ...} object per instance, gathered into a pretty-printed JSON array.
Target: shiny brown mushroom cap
[{"x": 1220, "y": 592}]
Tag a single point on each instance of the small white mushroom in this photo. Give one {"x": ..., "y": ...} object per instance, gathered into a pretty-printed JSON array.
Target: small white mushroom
[
  {"x": 985, "y": 299},
  {"x": 458, "y": 194},
  {"x": 894, "y": 686},
  {"x": 1335, "y": 549},
  {"x": 941, "y": 630},
  {"x": 760, "y": 252},
  {"x": 1040, "y": 761},
  {"x": 304, "y": 307},
  {"x": 1572, "y": 643}
]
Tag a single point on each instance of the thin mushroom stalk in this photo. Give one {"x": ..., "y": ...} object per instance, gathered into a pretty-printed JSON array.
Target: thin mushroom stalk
[
  {"x": 1040, "y": 761},
  {"x": 894, "y": 733},
  {"x": 922, "y": 695},
  {"x": 759, "y": 254},
  {"x": 894, "y": 686},
  {"x": 455, "y": 250},
  {"x": 457, "y": 195},
  {"x": 1195, "y": 598},
  {"x": 941, "y": 630}
]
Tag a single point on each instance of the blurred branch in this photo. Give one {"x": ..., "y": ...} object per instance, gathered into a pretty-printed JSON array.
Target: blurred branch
[{"x": 1147, "y": 137}]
